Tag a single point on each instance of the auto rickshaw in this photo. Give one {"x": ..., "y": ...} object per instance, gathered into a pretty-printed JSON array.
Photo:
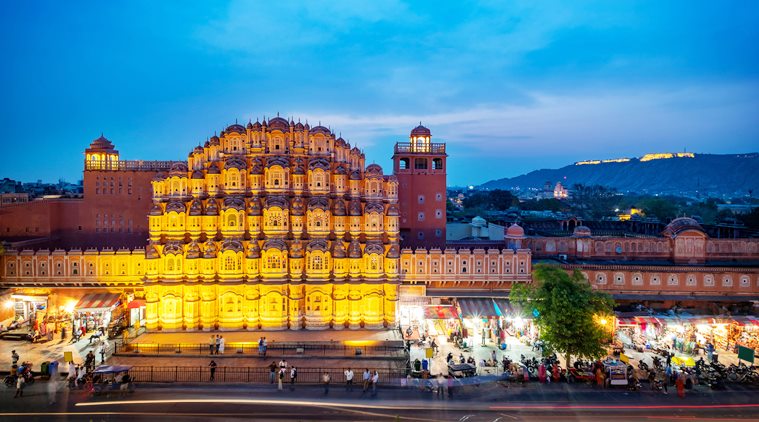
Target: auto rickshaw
[{"x": 107, "y": 379}]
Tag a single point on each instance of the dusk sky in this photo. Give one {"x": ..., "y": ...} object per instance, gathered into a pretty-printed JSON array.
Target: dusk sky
[{"x": 511, "y": 86}]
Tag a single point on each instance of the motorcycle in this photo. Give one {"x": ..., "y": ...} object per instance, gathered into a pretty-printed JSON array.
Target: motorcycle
[{"x": 25, "y": 371}]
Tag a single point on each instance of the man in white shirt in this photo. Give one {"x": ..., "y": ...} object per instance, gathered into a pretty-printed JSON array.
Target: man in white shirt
[
  {"x": 367, "y": 379},
  {"x": 349, "y": 380},
  {"x": 375, "y": 380}
]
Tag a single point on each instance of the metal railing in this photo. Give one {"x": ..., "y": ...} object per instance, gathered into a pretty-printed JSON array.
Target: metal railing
[
  {"x": 272, "y": 349},
  {"x": 233, "y": 374},
  {"x": 408, "y": 147}
]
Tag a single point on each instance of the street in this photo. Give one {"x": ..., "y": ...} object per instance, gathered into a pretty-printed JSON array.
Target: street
[{"x": 488, "y": 402}]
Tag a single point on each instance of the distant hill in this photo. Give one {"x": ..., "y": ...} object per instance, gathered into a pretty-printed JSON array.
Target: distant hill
[{"x": 653, "y": 173}]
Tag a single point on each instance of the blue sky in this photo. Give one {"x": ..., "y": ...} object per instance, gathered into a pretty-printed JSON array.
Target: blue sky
[{"x": 511, "y": 86}]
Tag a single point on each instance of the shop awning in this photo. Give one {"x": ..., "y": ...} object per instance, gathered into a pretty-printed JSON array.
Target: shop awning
[
  {"x": 478, "y": 308},
  {"x": 646, "y": 320},
  {"x": 137, "y": 303},
  {"x": 746, "y": 320},
  {"x": 98, "y": 301},
  {"x": 627, "y": 321},
  {"x": 440, "y": 312}
]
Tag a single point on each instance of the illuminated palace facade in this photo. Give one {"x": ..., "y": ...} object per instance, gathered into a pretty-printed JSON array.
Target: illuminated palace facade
[{"x": 273, "y": 226}]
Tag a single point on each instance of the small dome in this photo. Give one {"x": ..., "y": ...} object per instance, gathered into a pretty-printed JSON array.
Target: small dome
[
  {"x": 515, "y": 231},
  {"x": 321, "y": 129},
  {"x": 249, "y": 125},
  {"x": 256, "y": 125},
  {"x": 479, "y": 222},
  {"x": 421, "y": 131},
  {"x": 214, "y": 140},
  {"x": 212, "y": 208},
  {"x": 196, "y": 208},
  {"x": 338, "y": 251},
  {"x": 354, "y": 249},
  {"x": 374, "y": 169},
  {"x": 101, "y": 143},
  {"x": 299, "y": 126},
  {"x": 679, "y": 225},
  {"x": 581, "y": 231},
  {"x": 235, "y": 128},
  {"x": 213, "y": 169},
  {"x": 279, "y": 123},
  {"x": 178, "y": 169},
  {"x": 197, "y": 174},
  {"x": 156, "y": 210}
]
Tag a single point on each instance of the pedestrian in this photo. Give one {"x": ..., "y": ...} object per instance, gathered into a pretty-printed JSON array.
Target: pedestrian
[
  {"x": 72, "y": 371},
  {"x": 222, "y": 343},
  {"x": 325, "y": 380},
  {"x": 212, "y": 365},
  {"x": 14, "y": 357},
  {"x": 218, "y": 343},
  {"x": 709, "y": 352},
  {"x": 366, "y": 378},
  {"x": 272, "y": 372},
  {"x": 375, "y": 381},
  {"x": 669, "y": 358},
  {"x": 680, "y": 383},
  {"x": 280, "y": 378},
  {"x": 260, "y": 346},
  {"x": 450, "y": 386},
  {"x": 600, "y": 377},
  {"x": 442, "y": 385},
  {"x": 101, "y": 352},
  {"x": 293, "y": 377},
  {"x": 211, "y": 344},
  {"x": 494, "y": 358},
  {"x": 265, "y": 346},
  {"x": 484, "y": 335},
  {"x": 661, "y": 376},
  {"x": 63, "y": 333},
  {"x": 19, "y": 386},
  {"x": 349, "y": 380},
  {"x": 282, "y": 363}
]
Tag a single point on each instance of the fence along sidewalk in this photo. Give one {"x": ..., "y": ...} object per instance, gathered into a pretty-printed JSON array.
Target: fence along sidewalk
[
  {"x": 234, "y": 374},
  {"x": 273, "y": 349}
]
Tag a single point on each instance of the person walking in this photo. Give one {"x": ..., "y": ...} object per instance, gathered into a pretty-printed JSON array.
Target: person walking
[
  {"x": 349, "y": 380},
  {"x": 325, "y": 380},
  {"x": 661, "y": 376},
  {"x": 260, "y": 346},
  {"x": 218, "y": 343},
  {"x": 374, "y": 381},
  {"x": 366, "y": 378},
  {"x": 221, "y": 344},
  {"x": 680, "y": 383},
  {"x": 272, "y": 372},
  {"x": 101, "y": 352},
  {"x": 212, "y": 365},
  {"x": 450, "y": 386},
  {"x": 265, "y": 345},
  {"x": 211, "y": 344},
  {"x": 19, "y": 386},
  {"x": 442, "y": 385},
  {"x": 293, "y": 377},
  {"x": 280, "y": 378}
]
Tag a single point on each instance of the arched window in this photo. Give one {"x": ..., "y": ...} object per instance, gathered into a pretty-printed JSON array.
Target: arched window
[
  {"x": 374, "y": 263},
  {"x": 273, "y": 262},
  {"x": 317, "y": 263},
  {"x": 229, "y": 263},
  {"x": 231, "y": 220},
  {"x": 169, "y": 264}
]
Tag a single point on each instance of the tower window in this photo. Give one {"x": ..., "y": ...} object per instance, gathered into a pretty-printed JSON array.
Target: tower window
[
  {"x": 420, "y": 164},
  {"x": 404, "y": 164},
  {"x": 420, "y": 216},
  {"x": 437, "y": 164}
]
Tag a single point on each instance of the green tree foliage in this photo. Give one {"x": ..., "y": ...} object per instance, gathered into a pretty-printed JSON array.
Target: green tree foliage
[
  {"x": 548, "y": 204},
  {"x": 595, "y": 201},
  {"x": 495, "y": 200},
  {"x": 569, "y": 311},
  {"x": 662, "y": 208}
]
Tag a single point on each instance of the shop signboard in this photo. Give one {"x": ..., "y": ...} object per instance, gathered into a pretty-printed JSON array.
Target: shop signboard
[{"x": 745, "y": 353}]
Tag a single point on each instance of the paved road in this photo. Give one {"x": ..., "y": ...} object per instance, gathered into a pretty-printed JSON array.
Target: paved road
[{"x": 489, "y": 402}]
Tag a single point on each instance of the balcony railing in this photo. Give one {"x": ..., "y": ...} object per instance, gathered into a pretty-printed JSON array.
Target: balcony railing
[
  {"x": 409, "y": 148},
  {"x": 130, "y": 165}
]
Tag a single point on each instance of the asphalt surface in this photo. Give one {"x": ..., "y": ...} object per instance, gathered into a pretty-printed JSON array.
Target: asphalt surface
[{"x": 489, "y": 402}]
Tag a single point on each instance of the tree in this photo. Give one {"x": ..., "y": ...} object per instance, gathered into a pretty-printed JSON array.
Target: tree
[
  {"x": 663, "y": 209},
  {"x": 571, "y": 316}
]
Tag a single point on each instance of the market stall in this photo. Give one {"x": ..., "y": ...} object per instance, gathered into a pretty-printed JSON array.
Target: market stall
[
  {"x": 96, "y": 310},
  {"x": 747, "y": 331}
]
